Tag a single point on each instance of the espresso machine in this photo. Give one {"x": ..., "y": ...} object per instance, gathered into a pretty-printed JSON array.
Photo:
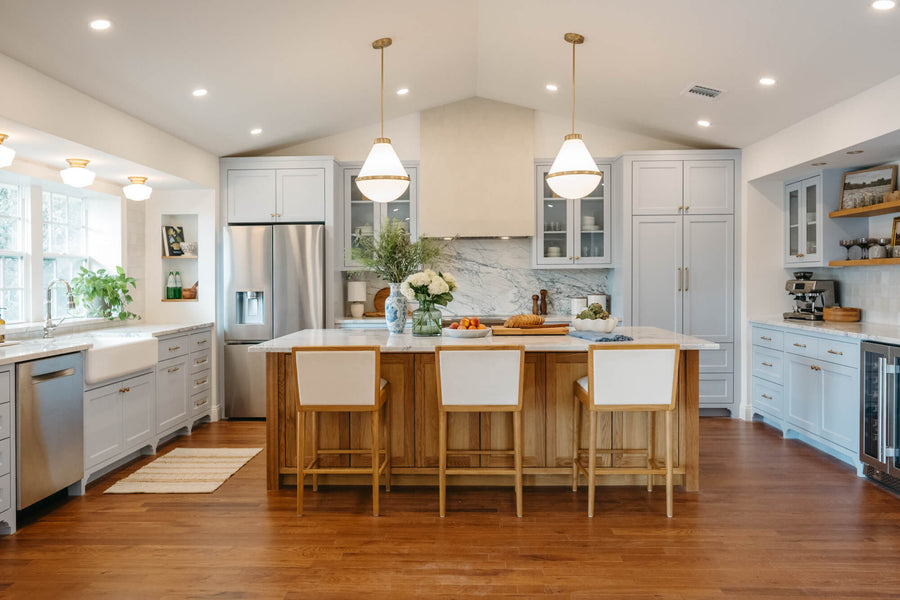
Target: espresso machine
[{"x": 810, "y": 296}]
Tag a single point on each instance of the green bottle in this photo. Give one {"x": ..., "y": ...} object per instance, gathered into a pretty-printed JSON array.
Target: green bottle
[{"x": 170, "y": 286}]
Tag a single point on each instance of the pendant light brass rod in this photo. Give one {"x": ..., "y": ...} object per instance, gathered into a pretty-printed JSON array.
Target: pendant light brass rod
[
  {"x": 573, "y": 87},
  {"x": 382, "y": 92}
]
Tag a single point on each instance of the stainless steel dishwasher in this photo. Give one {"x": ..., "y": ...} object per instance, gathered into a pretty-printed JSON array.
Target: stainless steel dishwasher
[{"x": 50, "y": 426}]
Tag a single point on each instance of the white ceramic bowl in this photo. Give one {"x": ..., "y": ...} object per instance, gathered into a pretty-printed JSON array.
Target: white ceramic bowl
[
  {"x": 467, "y": 333},
  {"x": 598, "y": 325}
]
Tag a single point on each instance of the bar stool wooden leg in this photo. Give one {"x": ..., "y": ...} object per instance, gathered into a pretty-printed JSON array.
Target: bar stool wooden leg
[
  {"x": 315, "y": 456},
  {"x": 517, "y": 441},
  {"x": 576, "y": 435},
  {"x": 376, "y": 445},
  {"x": 669, "y": 499},
  {"x": 651, "y": 418},
  {"x": 387, "y": 447},
  {"x": 592, "y": 462},
  {"x": 442, "y": 471},
  {"x": 301, "y": 442}
]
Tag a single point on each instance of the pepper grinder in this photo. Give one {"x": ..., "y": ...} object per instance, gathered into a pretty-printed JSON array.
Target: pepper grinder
[
  {"x": 543, "y": 302},
  {"x": 535, "y": 310}
]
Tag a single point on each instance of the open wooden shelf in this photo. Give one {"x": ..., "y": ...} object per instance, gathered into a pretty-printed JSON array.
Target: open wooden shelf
[
  {"x": 866, "y": 262},
  {"x": 179, "y": 300},
  {"x": 884, "y": 208}
]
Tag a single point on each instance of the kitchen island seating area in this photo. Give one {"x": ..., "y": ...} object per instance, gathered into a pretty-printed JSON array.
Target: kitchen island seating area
[
  {"x": 342, "y": 379},
  {"x": 626, "y": 379}
]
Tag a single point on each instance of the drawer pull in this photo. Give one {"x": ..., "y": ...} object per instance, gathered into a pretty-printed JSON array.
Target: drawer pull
[
  {"x": 815, "y": 368},
  {"x": 173, "y": 369},
  {"x": 200, "y": 381},
  {"x": 799, "y": 255},
  {"x": 201, "y": 402},
  {"x": 200, "y": 342},
  {"x": 200, "y": 361},
  {"x": 766, "y": 396},
  {"x": 833, "y": 352},
  {"x": 765, "y": 364},
  {"x": 124, "y": 390},
  {"x": 765, "y": 339},
  {"x": 174, "y": 348},
  {"x": 800, "y": 345}
]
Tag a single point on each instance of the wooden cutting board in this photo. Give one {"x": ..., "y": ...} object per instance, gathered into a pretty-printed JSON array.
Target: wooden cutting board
[
  {"x": 841, "y": 314},
  {"x": 557, "y": 330},
  {"x": 380, "y": 296}
]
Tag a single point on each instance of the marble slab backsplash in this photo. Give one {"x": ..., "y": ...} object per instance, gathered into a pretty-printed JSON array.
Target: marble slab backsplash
[
  {"x": 876, "y": 290},
  {"x": 495, "y": 278}
]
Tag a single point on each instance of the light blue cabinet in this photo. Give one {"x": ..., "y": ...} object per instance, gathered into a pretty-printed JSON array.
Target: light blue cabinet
[{"x": 7, "y": 451}]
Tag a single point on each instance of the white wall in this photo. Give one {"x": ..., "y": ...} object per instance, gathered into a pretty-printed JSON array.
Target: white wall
[{"x": 549, "y": 131}]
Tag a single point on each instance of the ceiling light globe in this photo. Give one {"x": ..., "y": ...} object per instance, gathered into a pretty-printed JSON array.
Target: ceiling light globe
[
  {"x": 77, "y": 175},
  {"x": 574, "y": 173},
  {"x": 382, "y": 177},
  {"x": 137, "y": 190},
  {"x": 6, "y": 156}
]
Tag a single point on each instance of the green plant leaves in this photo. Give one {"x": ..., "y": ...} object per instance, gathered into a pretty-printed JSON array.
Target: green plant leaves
[{"x": 104, "y": 294}]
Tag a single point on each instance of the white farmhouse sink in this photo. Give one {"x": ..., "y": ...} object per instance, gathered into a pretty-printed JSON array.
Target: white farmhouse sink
[{"x": 114, "y": 356}]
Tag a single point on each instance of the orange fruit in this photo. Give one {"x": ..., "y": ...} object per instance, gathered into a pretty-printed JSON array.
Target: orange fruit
[
  {"x": 454, "y": 325},
  {"x": 464, "y": 323},
  {"x": 482, "y": 326}
]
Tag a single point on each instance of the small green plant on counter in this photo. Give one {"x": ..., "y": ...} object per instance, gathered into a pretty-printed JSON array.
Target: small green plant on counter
[
  {"x": 392, "y": 256},
  {"x": 104, "y": 294}
]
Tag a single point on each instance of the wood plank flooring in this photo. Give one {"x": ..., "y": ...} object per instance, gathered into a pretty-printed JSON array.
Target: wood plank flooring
[{"x": 774, "y": 519}]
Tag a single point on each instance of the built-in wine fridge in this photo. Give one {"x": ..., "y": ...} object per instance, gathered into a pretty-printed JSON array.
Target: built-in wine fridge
[{"x": 879, "y": 440}]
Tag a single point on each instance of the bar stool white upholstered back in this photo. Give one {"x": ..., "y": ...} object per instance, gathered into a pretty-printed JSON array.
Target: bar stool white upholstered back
[
  {"x": 626, "y": 378},
  {"x": 341, "y": 379}
]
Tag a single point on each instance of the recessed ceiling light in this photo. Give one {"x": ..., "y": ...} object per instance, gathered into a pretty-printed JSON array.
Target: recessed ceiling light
[
  {"x": 818, "y": 164},
  {"x": 100, "y": 24},
  {"x": 884, "y": 4},
  {"x": 402, "y": 91},
  {"x": 504, "y": 237},
  {"x": 200, "y": 92},
  {"x": 551, "y": 87},
  {"x": 855, "y": 151},
  {"x": 767, "y": 81},
  {"x": 256, "y": 131},
  {"x": 703, "y": 123}
]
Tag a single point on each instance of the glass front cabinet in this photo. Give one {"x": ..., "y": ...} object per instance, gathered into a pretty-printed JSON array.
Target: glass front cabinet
[
  {"x": 572, "y": 233},
  {"x": 362, "y": 217},
  {"x": 804, "y": 214}
]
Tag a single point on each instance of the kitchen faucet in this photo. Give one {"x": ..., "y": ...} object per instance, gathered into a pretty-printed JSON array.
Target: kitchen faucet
[{"x": 49, "y": 326}]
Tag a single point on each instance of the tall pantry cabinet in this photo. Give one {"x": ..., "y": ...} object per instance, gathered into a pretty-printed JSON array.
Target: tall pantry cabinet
[{"x": 682, "y": 248}]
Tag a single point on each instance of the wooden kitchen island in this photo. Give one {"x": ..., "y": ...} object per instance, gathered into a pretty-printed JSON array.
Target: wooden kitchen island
[{"x": 552, "y": 364}]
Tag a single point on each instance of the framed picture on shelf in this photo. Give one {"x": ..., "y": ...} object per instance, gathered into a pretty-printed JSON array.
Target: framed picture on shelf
[
  {"x": 894, "y": 239},
  {"x": 173, "y": 240},
  {"x": 867, "y": 187}
]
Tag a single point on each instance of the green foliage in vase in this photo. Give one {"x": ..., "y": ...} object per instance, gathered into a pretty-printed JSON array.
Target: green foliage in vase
[
  {"x": 104, "y": 294},
  {"x": 392, "y": 256}
]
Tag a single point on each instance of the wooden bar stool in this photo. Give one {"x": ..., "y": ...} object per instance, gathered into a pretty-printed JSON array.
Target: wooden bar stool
[
  {"x": 640, "y": 377},
  {"x": 342, "y": 379},
  {"x": 480, "y": 379}
]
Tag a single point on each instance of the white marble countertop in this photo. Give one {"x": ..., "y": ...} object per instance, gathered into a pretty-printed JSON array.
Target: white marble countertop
[
  {"x": 405, "y": 342},
  {"x": 25, "y": 350},
  {"x": 379, "y": 321},
  {"x": 874, "y": 332}
]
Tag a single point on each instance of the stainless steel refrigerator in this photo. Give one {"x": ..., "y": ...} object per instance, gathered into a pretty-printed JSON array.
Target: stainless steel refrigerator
[
  {"x": 879, "y": 440},
  {"x": 274, "y": 284}
]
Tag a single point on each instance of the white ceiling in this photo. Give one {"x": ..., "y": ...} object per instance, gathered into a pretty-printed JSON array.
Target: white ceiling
[{"x": 305, "y": 69}]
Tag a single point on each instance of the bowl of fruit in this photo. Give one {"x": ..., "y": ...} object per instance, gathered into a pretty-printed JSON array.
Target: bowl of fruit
[
  {"x": 467, "y": 327},
  {"x": 595, "y": 318}
]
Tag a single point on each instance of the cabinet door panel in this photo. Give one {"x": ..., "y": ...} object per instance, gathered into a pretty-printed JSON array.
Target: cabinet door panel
[
  {"x": 811, "y": 213},
  {"x": 716, "y": 389},
  {"x": 709, "y": 277},
  {"x": 657, "y": 272},
  {"x": 251, "y": 195},
  {"x": 102, "y": 424},
  {"x": 592, "y": 230},
  {"x": 171, "y": 393},
  {"x": 804, "y": 393},
  {"x": 464, "y": 430},
  {"x": 300, "y": 196},
  {"x": 840, "y": 405},
  {"x": 793, "y": 230},
  {"x": 139, "y": 408},
  {"x": 497, "y": 428},
  {"x": 657, "y": 187},
  {"x": 709, "y": 187},
  {"x": 767, "y": 397},
  {"x": 554, "y": 243}
]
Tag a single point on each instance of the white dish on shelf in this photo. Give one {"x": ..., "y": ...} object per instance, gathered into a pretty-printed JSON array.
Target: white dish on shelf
[
  {"x": 590, "y": 227},
  {"x": 467, "y": 333},
  {"x": 596, "y": 325}
]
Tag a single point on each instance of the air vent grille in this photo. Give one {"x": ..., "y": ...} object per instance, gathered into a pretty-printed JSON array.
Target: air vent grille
[{"x": 703, "y": 91}]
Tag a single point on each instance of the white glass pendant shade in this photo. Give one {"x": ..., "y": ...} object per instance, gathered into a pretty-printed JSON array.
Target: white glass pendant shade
[
  {"x": 574, "y": 173},
  {"x": 138, "y": 190},
  {"x": 382, "y": 177},
  {"x": 6, "y": 154},
  {"x": 77, "y": 175}
]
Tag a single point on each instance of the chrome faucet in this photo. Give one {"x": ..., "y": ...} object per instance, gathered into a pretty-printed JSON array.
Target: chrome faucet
[{"x": 49, "y": 325}]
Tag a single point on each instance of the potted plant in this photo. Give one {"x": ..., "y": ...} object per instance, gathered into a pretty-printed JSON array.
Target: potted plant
[
  {"x": 104, "y": 294},
  {"x": 392, "y": 256}
]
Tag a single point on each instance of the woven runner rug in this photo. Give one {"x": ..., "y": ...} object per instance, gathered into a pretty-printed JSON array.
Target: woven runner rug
[{"x": 185, "y": 471}]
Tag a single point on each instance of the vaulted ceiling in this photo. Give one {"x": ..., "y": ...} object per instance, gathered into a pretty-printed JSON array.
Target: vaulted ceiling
[{"x": 305, "y": 69}]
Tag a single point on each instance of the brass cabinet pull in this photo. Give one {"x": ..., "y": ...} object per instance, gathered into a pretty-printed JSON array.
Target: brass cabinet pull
[
  {"x": 680, "y": 208},
  {"x": 272, "y": 215},
  {"x": 687, "y": 208},
  {"x": 577, "y": 258},
  {"x": 833, "y": 352},
  {"x": 800, "y": 345},
  {"x": 815, "y": 368},
  {"x": 174, "y": 348},
  {"x": 798, "y": 255},
  {"x": 124, "y": 390},
  {"x": 200, "y": 361},
  {"x": 202, "y": 342},
  {"x": 767, "y": 397},
  {"x": 768, "y": 339},
  {"x": 201, "y": 402},
  {"x": 173, "y": 369},
  {"x": 200, "y": 381},
  {"x": 765, "y": 364}
]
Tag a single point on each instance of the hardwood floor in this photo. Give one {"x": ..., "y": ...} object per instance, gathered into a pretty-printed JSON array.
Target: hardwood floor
[{"x": 774, "y": 519}]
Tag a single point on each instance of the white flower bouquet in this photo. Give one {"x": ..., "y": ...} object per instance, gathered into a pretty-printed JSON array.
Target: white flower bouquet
[{"x": 429, "y": 287}]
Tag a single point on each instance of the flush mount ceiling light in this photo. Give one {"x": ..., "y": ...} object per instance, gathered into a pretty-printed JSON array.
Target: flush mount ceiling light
[
  {"x": 100, "y": 24},
  {"x": 138, "y": 190},
  {"x": 7, "y": 154},
  {"x": 382, "y": 177},
  {"x": 77, "y": 175},
  {"x": 703, "y": 123},
  {"x": 199, "y": 93},
  {"x": 767, "y": 81},
  {"x": 884, "y": 4},
  {"x": 574, "y": 174}
]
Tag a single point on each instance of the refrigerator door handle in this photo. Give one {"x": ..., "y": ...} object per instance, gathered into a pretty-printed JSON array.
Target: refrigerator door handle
[{"x": 882, "y": 408}]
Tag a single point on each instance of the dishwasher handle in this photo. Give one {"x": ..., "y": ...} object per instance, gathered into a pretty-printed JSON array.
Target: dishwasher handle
[{"x": 35, "y": 379}]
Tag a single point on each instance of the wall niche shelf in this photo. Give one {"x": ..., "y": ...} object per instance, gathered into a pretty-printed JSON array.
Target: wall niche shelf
[
  {"x": 179, "y": 300},
  {"x": 884, "y": 208},
  {"x": 866, "y": 262},
  {"x": 186, "y": 264}
]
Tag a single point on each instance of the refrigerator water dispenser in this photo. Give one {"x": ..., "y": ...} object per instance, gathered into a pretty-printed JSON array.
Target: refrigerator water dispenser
[{"x": 250, "y": 308}]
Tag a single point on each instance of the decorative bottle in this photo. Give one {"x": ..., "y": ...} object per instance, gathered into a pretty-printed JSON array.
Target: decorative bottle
[
  {"x": 178, "y": 285},
  {"x": 170, "y": 286}
]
